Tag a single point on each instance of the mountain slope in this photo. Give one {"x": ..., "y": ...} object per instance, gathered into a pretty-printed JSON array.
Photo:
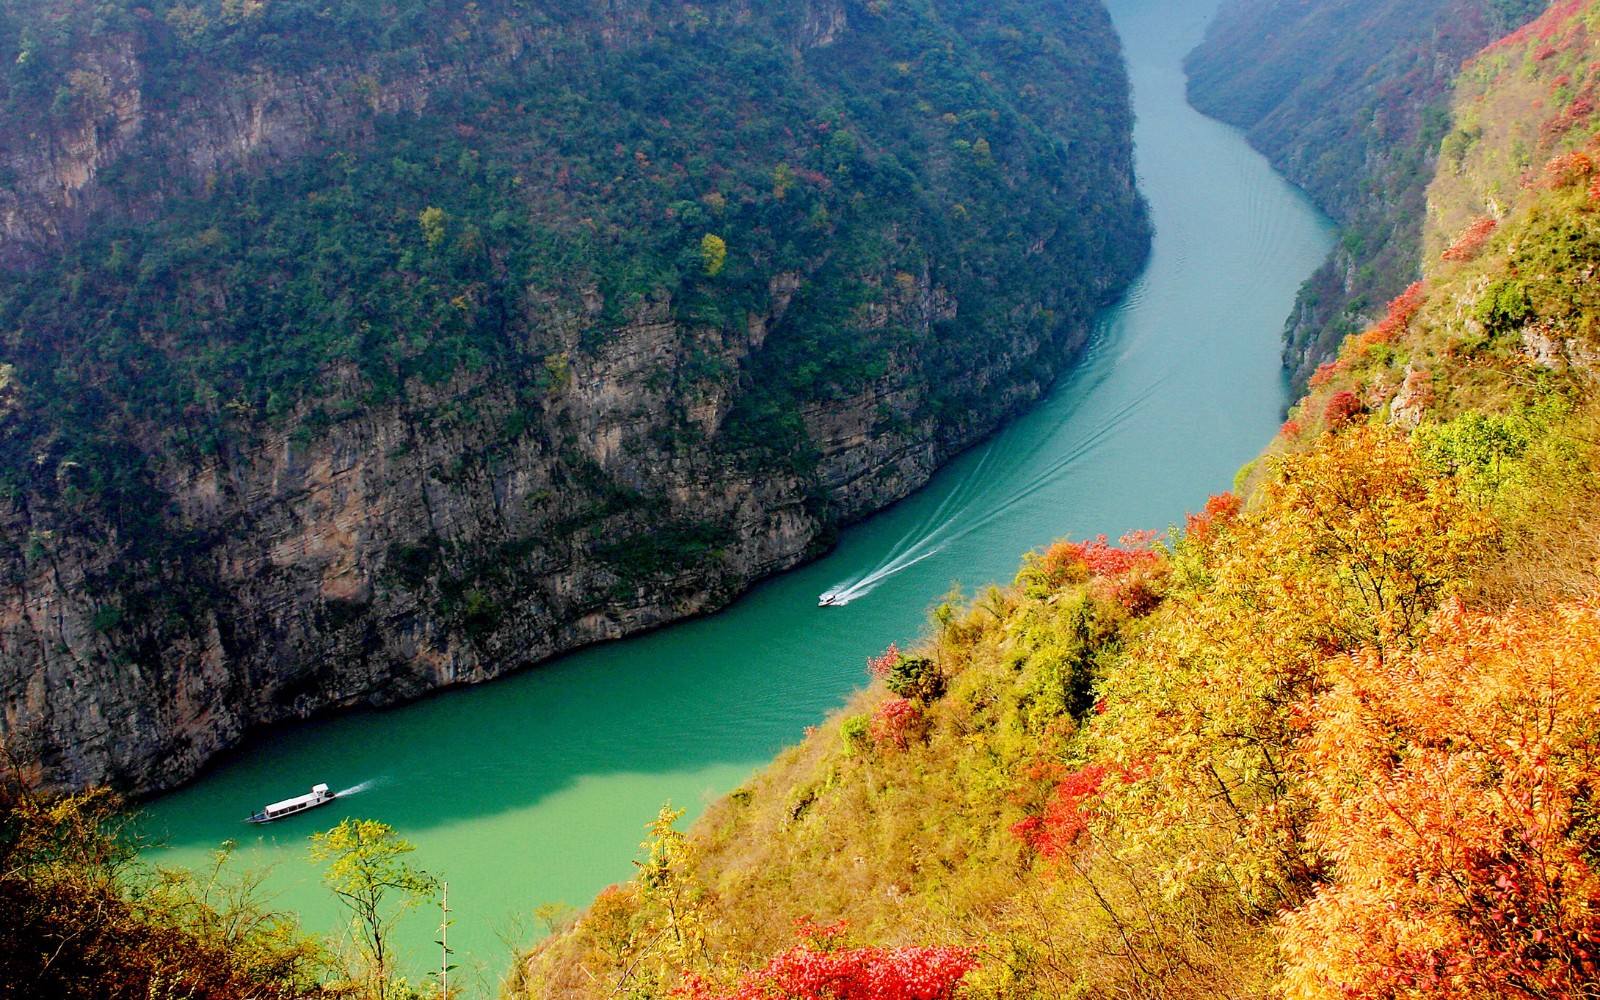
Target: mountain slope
[
  {"x": 352, "y": 353},
  {"x": 1350, "y": 100},
  {"x": 1333, "y": 739}
]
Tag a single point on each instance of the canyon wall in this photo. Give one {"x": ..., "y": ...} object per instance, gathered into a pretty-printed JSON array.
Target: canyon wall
[{"x": 335, "y": 378}]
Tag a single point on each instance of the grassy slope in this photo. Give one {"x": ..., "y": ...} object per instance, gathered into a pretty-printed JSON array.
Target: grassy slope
[{"x": 1340, "y": 742}]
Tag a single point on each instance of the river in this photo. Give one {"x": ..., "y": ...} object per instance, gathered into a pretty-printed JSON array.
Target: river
[{"x": 536, "y": 788}]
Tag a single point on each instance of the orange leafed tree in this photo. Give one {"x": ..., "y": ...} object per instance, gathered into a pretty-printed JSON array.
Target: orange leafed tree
[{"x": 1454, "y": 788}]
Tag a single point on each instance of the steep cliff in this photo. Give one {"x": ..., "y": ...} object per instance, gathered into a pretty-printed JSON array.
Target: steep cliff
[
  {"x": 1349, "y": 100},
  {"x": 349, "y": 354}
]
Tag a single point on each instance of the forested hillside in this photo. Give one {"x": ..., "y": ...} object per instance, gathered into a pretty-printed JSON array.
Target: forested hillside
[
  {"x": 1333, "y": 737},
  {"x": 1350, "y": 99},
  {"x": 348, "y": 351}
]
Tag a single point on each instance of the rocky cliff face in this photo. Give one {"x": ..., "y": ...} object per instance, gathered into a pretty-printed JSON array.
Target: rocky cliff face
[
  {"x": 177, "y": 575},
  {"x": 408, "y": 549}
]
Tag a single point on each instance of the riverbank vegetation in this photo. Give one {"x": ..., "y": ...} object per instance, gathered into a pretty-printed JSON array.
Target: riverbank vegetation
[
  {"x": 81, "y": 916},
  {"x": 1332, "y": 737}
]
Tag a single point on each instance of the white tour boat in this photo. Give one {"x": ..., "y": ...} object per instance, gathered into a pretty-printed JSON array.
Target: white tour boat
[{"x": 318, "y": 796}]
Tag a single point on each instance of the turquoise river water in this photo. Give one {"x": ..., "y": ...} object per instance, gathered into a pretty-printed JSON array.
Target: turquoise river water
[{"x": 536, "y": 788}]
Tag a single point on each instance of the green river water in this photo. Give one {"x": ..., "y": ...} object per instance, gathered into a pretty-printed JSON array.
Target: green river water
[{"x": 536, "y": 788}]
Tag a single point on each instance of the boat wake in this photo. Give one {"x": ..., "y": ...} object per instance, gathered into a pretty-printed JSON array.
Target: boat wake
[
  {"x": 367, "y": 785},
  {"x": 951, "y": 520}
]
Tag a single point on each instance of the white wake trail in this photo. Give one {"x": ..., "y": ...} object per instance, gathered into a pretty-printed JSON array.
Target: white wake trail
[{"x": 959, "y": 502}]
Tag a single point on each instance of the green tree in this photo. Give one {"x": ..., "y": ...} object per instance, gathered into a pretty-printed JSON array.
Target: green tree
[
  {"x": 667, "y": 877},
  {"x": 432, "y": 220},
  {"x": 714, "y": 251},
  {"x": 367, "y": 871}
]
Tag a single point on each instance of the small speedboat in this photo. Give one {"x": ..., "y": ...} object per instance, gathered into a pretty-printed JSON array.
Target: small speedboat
[
  {"x": 318, "y": 796},
  {"x": 829, "y": 600}
]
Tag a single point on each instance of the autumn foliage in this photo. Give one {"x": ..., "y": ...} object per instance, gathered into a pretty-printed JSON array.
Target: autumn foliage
[
  {"x": 1341, "y": 408},
  {"x": 894, "y": 723},
  {"x": 1325, "y": 373},
  {"x": 1454, "y": 788},
  {"x": 1338, "y": 739},
  {"x": 72, "y": 926},
  {"x": 1472, "y": 240},
  {"x": 1568, "y": 169},
  {"x": 1066, "y": 816},
  {"x": 819, "y": 969},
  {"x": 880, "y": 665},
  {"x": 1220, "y": 511},
  {"x": 1399, "y": 315},
  {"x": 1128, "y": 574}
]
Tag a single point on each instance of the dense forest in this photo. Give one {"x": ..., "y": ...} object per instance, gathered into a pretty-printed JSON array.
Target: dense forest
[
  {"x": 1350, "y": 99},
  {"x": 350, "y": 351}
]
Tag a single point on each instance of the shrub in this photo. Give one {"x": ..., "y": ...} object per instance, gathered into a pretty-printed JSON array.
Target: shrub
[
  {"x": 1454, "y": 788},
  {"x": 1342, "y": 407},
  {"x": 1325, "y": 373},
  {"x": 879, "y": 666},
  {"x": 806, "y": 972},
  {"x": 1402, "y": 310},
  {"x": 856, "y": 731},
  {"x": 1569, "y": 169},
  {"x": 1066, "y": 816},
  {"x": 895, "y": 722},
  {"x": 917, "y": 678},
  {"x": 1471, "y": 241},
  {"x": 1504, "y": 307}
]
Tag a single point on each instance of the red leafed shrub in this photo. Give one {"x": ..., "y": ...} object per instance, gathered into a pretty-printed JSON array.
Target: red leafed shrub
[
  {"x": 1567, "y": 170},
  {"x": 1104, "y": 559},
  {"x": 1325, "y": 373},
  {"x": 1290, "y": 429},
  {"x": 1065, "y": 818},
  {"x": 894, "y": 722},
  {"x": 879, "y": 666},
  {"x": 1342, "y": 408},
  {"x": 1219, "y": 512},
  {"x": 1577, "y": 113},
  {"x": 806, "y": 972},
  {"x": 1062, "y": 564},
  {"x": 1067, "y": 562},
  {"x": 1471, "y": 241},
  {"x": 1545, "y": 27},
  {"x": 1401, "y": 312}
]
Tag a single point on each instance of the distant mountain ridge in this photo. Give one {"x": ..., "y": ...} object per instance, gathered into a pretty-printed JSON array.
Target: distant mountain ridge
[{"x": 1350, "y": 100}]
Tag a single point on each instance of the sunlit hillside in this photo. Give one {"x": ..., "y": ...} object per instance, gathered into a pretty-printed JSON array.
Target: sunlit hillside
[{"x": 1334, "y": 737}]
